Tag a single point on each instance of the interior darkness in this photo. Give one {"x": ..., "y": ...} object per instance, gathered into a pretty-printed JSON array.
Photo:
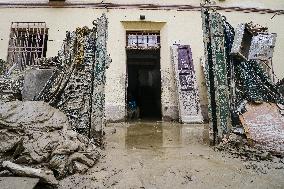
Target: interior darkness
[
  {"x": 144, "y": 82},
  {"x": 246, "y": 42}
]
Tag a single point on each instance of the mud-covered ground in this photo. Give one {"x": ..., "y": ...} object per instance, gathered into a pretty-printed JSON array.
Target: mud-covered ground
[{"x": 154, "y": 155}]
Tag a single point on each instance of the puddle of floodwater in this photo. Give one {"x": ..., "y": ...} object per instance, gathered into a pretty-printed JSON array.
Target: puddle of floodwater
[{"x": 164, "y": 135}]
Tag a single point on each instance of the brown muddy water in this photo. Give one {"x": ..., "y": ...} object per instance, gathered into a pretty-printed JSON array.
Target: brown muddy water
[
  {"x": 156, "y": 136},
  {"x": 161, "y": 155}
]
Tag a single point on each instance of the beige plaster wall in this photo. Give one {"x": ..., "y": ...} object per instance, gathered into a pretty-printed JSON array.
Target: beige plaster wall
[
  {"x": 173, "y": 30},
  {"x": 268, "y": 4},
  {"x": 182, "y": 27}
]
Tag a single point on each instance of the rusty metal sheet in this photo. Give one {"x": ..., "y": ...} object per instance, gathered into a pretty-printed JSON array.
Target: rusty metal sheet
[
  {"x": 264, "y": 126},
  {"x": 189, "y": 103}
]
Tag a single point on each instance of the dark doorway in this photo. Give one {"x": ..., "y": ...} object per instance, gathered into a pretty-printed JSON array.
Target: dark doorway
[{"x": 144, "y": 83}]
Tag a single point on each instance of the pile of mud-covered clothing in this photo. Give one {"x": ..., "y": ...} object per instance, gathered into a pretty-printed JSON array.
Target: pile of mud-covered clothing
[{"x": 35, "y": 141}]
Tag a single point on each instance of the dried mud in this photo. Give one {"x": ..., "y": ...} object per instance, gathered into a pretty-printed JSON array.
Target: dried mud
[{"x": 169, "y": 155}]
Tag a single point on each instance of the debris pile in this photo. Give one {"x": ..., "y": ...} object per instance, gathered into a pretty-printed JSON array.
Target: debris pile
[
  {"x": 48, "y": 138},
  {"x": 239, "y": 148},
  {"x": 258, "y": 160},
  {"x": 70, "y": 87},
  {"x": 255, "y": 94},
  {"x": 35, "y": 142},
  {"x": 77, "y": 85},
  {"x": 240, "y": 80}
]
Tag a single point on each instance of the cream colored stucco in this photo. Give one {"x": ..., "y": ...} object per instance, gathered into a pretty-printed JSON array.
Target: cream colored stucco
[
  {"x": 267, "y": 4},
  {"x": 183, "y": 27}
]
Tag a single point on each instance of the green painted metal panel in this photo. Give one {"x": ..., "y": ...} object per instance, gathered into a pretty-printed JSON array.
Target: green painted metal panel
[{"x": 216, "y": 71}]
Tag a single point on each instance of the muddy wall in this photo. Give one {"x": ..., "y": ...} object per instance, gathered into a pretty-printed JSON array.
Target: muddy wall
[
  {"x": 182, "y": 27},
  {"x": 269, "y": 4}
]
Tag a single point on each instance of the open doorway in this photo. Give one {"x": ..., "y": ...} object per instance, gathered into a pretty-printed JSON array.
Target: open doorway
[{"x": 144, "y": 84}]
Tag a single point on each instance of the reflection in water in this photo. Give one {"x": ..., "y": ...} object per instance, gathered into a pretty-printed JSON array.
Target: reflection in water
[{"x": 164, "y": 135}]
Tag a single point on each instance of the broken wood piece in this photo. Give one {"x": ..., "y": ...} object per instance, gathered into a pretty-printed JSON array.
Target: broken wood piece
[
  {"x": 81, "y": 158},
  {"x": 44, "y": 176}
]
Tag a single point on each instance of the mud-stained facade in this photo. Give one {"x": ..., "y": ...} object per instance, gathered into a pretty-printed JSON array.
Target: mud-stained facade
[{"x": 178, "y": 21}]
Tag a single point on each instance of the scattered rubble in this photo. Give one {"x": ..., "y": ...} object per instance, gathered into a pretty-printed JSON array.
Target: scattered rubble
[
  {"x": 257, "y": 159},
  {"x": 47, "y": 138},
  {"x": 36, "y": 138}
]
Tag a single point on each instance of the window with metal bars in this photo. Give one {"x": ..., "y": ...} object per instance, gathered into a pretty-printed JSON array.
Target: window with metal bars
[
  {"x": 142, "y": 40},
  {"x": 27, "y": 43}
]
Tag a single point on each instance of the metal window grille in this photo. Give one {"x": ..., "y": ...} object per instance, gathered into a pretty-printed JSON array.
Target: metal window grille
[
  {"x": 142, "y": 40},
  {"x": 27, "y": 43}
]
